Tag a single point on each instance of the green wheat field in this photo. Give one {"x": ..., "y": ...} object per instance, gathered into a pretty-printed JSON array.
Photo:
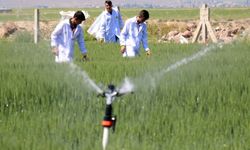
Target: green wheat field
[{"x": 202, "y": 105}]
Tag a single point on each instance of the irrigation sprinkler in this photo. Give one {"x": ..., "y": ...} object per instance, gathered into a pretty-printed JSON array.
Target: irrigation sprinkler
[{"x": 109, "y": 120}]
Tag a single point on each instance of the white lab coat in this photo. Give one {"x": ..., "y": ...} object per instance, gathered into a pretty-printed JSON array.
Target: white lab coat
[
  {"x": 64, "y": 39},
  {"x": 132, "y": 35},
  {"x": 107, "y": 26}
]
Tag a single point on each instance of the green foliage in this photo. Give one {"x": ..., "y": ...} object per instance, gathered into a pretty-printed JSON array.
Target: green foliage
[
  {"x": 163, "y": 14},
  {"x": 25, "y": 37},
  {"x": 230, "y": 13},
  {"x": 201, "y": 105},
  {"x": 87, "y": 36}
]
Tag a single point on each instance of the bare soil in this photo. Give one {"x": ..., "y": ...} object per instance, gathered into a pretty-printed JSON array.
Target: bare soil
[{"x": 166, "y": 31}]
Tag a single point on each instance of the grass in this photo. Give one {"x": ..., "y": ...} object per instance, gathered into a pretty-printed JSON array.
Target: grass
[
  {"x": 201, "y": 105},
  {"x": 230, "y": 13},
  {"x": 163, "y": 14}
]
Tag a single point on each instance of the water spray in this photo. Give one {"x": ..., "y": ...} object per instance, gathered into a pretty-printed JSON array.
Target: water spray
[{"x": 109, "y": 120}]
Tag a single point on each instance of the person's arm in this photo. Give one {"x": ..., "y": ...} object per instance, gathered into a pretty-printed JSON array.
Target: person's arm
[
  {"x": 123, "y": 37},
  {"x": 55, "y": 34},
  {"x": 54, "y": 38},
  {"x": 124, "y": 33},
  {"x": 145, "y": 39},
  {"x": 80, "y": 41}
]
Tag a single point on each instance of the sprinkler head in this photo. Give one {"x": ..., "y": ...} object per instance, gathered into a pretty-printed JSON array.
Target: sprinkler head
[{"x": 111, "y": 87}]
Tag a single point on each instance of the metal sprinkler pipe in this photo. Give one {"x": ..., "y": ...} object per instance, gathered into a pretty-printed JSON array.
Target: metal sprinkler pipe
[{"x": 109, "y": 120}]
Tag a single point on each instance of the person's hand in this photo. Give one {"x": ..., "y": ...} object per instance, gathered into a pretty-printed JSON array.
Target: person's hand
[
  {"x": 123, "y": 49},
  {"x": 101, "y": 40},
  {"x": 55, "y": 51},
  {"x": 84, "y": 57},
  {"x": 148, "y": 53}
]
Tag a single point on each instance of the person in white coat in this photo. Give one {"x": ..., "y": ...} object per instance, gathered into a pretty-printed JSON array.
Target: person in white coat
[
  {"x": 133, "y": 34},
  {"x": 63, "y": 38},
  {"x": 110, "y": 24}
]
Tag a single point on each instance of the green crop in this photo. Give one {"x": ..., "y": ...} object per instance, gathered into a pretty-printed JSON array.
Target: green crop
[{"x": 201, "y": 105}]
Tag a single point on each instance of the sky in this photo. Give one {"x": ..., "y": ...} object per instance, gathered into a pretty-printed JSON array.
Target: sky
[{"x": 99, "y": 3}]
